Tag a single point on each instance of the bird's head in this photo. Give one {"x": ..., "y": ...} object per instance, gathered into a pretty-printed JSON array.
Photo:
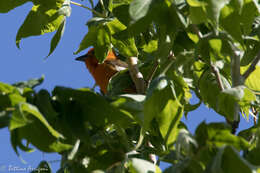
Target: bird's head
[
  {"x": 89, "y": 59},
  {"x": 90, "y": 54}
]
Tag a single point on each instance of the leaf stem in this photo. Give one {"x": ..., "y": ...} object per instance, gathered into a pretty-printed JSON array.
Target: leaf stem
[
  {"x": 83, "y": 6},
  {"x": 252, "y": 67}
]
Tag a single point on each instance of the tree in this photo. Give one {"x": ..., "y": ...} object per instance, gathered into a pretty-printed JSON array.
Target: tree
[{"x": 209, "y": 48}]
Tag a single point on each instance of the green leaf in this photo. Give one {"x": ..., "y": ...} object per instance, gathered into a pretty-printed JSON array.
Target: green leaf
[
  {"x": 229, "y": 160},
  {"x": 121, "y": 38},
  {"x": 115, "y": 26},
  {"x": 21, "y": 117},
  {"x": 89, "y": 39},
  {"x": 167, "y": 113},
  {"x": 198, "y": 15},
  {"x": 103, "y": 43},
  {"x": 252, "y": 82},
  {"x": 56, "y": 38},
  {"x": 214, "y": 8},
  {"x": 230, "y": 21},
  {"x": 250, "y": 9},
  {"x": 188, "y": 165},
  {"x": 44, "y": 103},
  {"x": 44, "y": 167},
  {"x": 218, "y": 135},
  {"x": 4, "y": 119},
  {"x": 133, "y": 104},
  {"x": 139, "y": 9},
  {"x": 195, "y": 3},
  {"x": 41, "y": 20},
  {"x": 87, "y": 105},
  {"x": 150, "y": 47},
  {"x": 125, "y": 43},
  {"x": 122, "y": 14},
  {"x": 7, "y": 5},
  {"x": 31, "y": 83}
]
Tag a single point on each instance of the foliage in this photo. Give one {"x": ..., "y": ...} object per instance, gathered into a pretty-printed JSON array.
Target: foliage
[{"x": 206, "y": 47}]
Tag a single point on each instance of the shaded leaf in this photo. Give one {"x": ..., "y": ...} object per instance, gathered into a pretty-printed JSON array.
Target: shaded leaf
[
  {"x": 56, "y": 38},
  {"x": 41, "y": 20},
  {"x": 139, "y": 8}
]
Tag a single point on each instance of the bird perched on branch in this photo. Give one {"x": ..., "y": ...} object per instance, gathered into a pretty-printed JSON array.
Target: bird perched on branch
[{"x": 102, "y": 72}]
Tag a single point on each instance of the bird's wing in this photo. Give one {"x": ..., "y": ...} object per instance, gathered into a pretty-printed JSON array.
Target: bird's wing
[{"x": 117, "y": 64}]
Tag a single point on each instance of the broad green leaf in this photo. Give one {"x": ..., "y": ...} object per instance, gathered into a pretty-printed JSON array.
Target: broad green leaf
[
  {"x": 87, "y": 105},
  {"x": 250, "y": 9},
  {"x": 122, "y": 14},
  {"x": 133, "y": 104},
  {"x": 218, "y": 135},
  {"x": 21, "y": 117},
  {"x": 151, "y": 46},
  {"x": 41, "y": 20},
  {"x": 103, "y": 43},
  {"x": 56, "y": 38},
  {"x": 165, "y": 44},
  {"x": 167, "y": 113},
  {"x": 214, "y": 8},
  {"x": 125, "y": 43},
  {"x": 31, "y": 83},
  {"x": 115, "y": 26},
  {"x": 252, "y": 46},
  {"x": 198, "y": 15},
  {"x": 139, "y": 9},
  {"x": 7, "y": 5},
  {"x": 89, "y": 39},
  {"x": 121, "y": 38},
  {"x": 230, "y": 21},
  {"x": 229, "y": 160},
  {"x": 252, "y": 82},
  {"x": 44, "y": 103}
]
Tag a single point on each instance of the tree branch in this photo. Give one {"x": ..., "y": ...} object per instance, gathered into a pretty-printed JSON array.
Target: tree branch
[
  {"x": 252, "y": 66},
  {"x": 236, "y": 81},
  {"x": 217, "y": 75},
  {"x": 93, "y": 11},
  {"x": 136, "y": 75}
]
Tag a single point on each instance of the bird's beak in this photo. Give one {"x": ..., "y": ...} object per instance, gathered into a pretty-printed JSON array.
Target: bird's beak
[{"x": 81, "y": 58}]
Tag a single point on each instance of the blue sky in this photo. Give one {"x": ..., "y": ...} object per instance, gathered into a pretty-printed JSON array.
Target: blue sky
[{"x": 59, "y": 69}]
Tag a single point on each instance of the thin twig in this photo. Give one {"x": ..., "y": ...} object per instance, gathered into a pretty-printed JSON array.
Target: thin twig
[
  {"x": 217, "y": 75},
  {"x": 93, "y": 11},
  {"x": 197, "y": 31},
  {"x": 152, "y": 73},
  {"x": 171, "y": 57},
  {"x": 74, "y": 150},
  {"x": 136, "y": 75},
  {"x": 252, "y": 66}
]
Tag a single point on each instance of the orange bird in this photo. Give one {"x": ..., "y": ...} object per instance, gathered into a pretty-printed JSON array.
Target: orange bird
[{"x": 102, "y": 72}]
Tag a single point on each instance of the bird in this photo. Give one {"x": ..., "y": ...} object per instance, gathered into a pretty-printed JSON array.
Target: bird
[{"x": 102, "y": 72}]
